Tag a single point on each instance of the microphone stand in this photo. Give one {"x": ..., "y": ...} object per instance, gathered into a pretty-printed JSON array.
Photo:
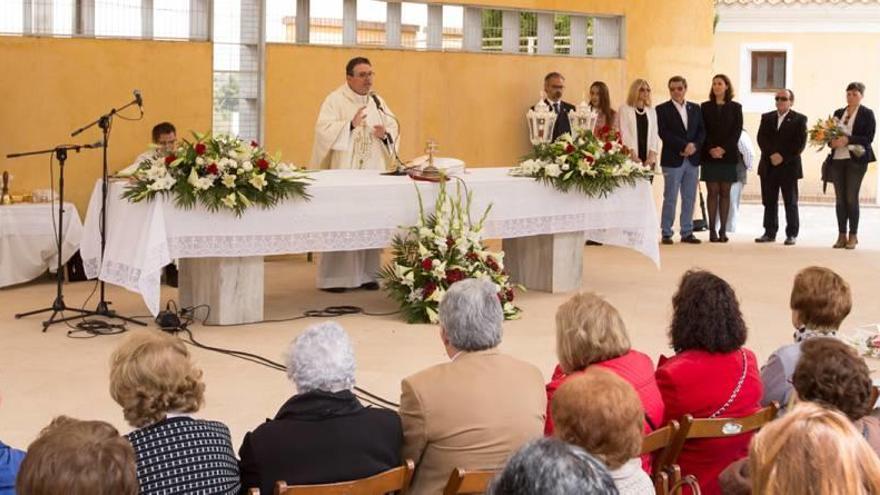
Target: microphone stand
[
  {"x": 389, "y": 142},
  {"x": 58, "y": 306},
  {"x": 105, "y": 122}
]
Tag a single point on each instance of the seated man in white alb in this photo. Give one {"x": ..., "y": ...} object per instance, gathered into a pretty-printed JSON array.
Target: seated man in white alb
[
  {"x": 164, "y": 141},
  {"x": 355, "y": 130}
]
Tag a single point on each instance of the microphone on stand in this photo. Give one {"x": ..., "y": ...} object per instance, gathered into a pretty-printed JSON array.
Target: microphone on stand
[
  {"x": 139, "y": 99},
  {"x": 388, "y": 140}
]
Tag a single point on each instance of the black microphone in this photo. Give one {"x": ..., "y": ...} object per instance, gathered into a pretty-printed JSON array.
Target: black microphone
[
  {"x": 139, "y": 99},
  {"x": 378, "y": 104},
  {"x": 387, "y": 139}
]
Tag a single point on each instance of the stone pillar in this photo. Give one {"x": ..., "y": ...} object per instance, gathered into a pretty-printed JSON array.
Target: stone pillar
[
  {"x": 549, "y": 263},
  {"x": 231, "y": 287}
]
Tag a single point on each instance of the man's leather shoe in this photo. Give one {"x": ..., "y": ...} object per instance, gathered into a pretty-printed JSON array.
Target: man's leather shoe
[
  {"x": 370, "y": 286},
  {"x": 666, "y": 240},
  {"x": 765, "y": 238},
  {"x": 334, "y": 290},
  {"x": 691, "y": 239},
  {"x": 790, "y": 241}
]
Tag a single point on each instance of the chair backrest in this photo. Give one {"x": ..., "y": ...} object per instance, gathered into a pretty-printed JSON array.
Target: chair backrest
[
  {"x": 719, "y": 427},
  {"x": 463, "y": 481},
  {"x": 657, "y": 440},
  {"x": 875, "y": 394},
  {"x": 396, "y": 479}
]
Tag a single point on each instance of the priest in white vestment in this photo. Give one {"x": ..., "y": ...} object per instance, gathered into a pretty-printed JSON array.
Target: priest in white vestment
[{"x": 355, "y": 130}]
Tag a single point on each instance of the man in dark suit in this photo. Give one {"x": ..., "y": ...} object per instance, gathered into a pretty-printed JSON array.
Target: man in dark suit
[
  {"x": 680, "y": 124},
  {"x": 782, "y": 137},
  {"x": 554, "y": 86}
]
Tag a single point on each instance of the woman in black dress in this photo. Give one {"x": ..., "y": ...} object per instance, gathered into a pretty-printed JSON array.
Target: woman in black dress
[{"x": 724, "y": 122}]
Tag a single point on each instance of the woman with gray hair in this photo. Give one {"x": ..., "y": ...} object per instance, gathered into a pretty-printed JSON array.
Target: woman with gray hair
[{"x": 323, "y": 434}]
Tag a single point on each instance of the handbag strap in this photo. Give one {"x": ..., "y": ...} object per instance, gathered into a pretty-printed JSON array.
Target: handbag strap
[{"x": 736, "y": 389}]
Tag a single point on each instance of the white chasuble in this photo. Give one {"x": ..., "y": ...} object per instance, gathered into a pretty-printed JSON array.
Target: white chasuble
[{"x": 337, "y": 145}]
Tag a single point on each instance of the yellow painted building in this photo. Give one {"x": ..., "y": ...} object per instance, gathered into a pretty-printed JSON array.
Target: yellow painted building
[
  {"x": 472, "y": 104},
  {"x": 814, "y": 47}
]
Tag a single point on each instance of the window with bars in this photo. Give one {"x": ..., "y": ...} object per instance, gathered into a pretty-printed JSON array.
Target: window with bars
[{"x": 768, "y": 71}]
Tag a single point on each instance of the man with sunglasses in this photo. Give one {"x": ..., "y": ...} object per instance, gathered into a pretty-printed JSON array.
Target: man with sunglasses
[
  {"x": 681, "y": 128},
  {"x": 782, "y": 137}
]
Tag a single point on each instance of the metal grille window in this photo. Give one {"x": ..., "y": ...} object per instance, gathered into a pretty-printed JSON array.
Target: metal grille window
[
  {"x": 281, "y": 21},
  {"x": 325, "y": 24},
  {"x": 414, "y": 25},
  {"x": 493, "y": 30},
  {"x": 237, "y": 67},
  {"x": 528, "y": 32},
  {"x": 562, "y": 34},
  {"x": 453, "y": 27},
  {"x": 371, "y": 22},
  {"x": 118, "y": 18}
]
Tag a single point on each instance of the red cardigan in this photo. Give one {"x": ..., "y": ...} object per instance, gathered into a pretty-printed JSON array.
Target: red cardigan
[
  {"x": 699, "y": 383},
  {"x": 637, "y": 369}
]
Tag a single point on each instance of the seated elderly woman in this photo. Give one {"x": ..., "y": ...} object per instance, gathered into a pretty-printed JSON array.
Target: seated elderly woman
[
  {"x": 552, "y": 467},
  {"x": 831, "y": 374},
  {"x": 601, "y": 413},
  {"x": 590, "y": 333},
  {"x": 820, "y": 300},
  {"x": 813, "y": 451},
  {"x": 154, "y": 380},
  {"x": 711, "y": 375},
  {"x": 76, "y": 457},
  {"x": 322, "y": 434}
]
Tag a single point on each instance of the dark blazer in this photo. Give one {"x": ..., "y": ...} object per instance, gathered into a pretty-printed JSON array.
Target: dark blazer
[
  {"x": 562, "y": 124},
  {"x": 862, "y": 133},
  {"x": 675, "y": 137},
  {"x": 320, "y": 437},
  {"x": 789, "y": 141},
  {"x": 724, "y": 124}
]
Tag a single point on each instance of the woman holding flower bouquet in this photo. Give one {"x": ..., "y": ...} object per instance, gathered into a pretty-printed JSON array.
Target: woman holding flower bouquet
[
  {"x": 851, "y": 153},
  {"x": 724, "y": 122}
]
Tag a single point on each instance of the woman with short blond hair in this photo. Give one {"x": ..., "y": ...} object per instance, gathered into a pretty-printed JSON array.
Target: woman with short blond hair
[
  {"x": 638, "y": 124},
  {"x": 591, "y": 333},
  {"x": 154, "y": 380},
  {"x": 601, "y": 413},
  {"x": 813, "y": 451},
  {"x": 820, "y": 301}
]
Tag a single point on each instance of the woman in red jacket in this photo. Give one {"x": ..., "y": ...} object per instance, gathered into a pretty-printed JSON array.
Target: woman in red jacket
[
  {"x": 711, "y": 375},
  {"x": 590, "y": 332}
]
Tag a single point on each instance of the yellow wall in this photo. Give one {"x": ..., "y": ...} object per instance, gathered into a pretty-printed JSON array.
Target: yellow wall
[
  {"x": 821, "y": 71},
  {"x": 473, "y": 104},
  {"x": 53, "y": 86}
]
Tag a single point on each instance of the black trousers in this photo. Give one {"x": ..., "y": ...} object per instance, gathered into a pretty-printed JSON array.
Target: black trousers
[
  {"x": 847, "y": 177},
  {"x": 771, "y": 186}
]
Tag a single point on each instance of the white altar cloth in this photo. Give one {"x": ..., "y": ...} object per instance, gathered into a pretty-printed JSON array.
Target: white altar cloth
[
  {"x": 349, "y": 210},
  {"x": 27, "y": 240}
]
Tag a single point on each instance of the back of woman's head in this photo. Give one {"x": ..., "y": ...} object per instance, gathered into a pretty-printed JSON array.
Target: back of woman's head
[
  {"x": 813, "y": 451},
  {"x": 151, "y": 374},
  {"x": 706, "y": 315},
  {"x": 600, "y": 412},
  {"x": 588, "y": 330},
  {"x": 76, "y": 457},
  {"x": 820, "y": 298},
  {"x": 831, "y": 373}
]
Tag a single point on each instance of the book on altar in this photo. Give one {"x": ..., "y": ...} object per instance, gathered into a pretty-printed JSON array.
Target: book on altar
[{"x": 441, "y": 165}]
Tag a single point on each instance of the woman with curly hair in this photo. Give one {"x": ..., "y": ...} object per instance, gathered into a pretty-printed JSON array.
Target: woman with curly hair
[
  {"x": 159, "y": 387},
  {"x": 711, "y": 375}
]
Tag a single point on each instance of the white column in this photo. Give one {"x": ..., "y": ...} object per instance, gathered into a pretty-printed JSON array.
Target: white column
[
  {"x": 392, "y": 24},
  {"x": 200, "y": 19},
  {"x": 472, "y": 40},
  {"x": 303, "y": 20},
  {"x": 546, "y": 34},
  {"x": 550, "y": 263},
  {"x": 606, "y": 37},
  {"x": 27, "y": 17},
  {"x": 84, "y": 15},
  {"x": 578, "y": 36},
  {"x": 349, "y": 22},
  {"x": 147, "y": 19},
  {"x": 435, "y": 27},
  {"x": 510, "y": 31}
]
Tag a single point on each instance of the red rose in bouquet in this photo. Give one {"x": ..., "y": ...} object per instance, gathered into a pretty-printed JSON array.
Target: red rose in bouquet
[
  {"x": 472, "y": 256},
  {"x": 262, "y": 164},
  {"x": 608, "y": 146},
  {"x": 212, "y": 169},
  {"x": 200, "y": 149},
  {"x": 254, "y": 144},
  {"x": 569, "y": 149},
  {"x": 429, "y": 289},
  {"x": 454, "y": 275},
  {"x": 427, "y": 264},
  {"x": 169, "y": 159},
  {"x": 491, "y": 263}
]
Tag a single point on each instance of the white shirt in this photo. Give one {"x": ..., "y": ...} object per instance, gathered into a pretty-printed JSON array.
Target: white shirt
[
  {"x": 682, "y": 110},
  {"x": 847, "y": 123},
  {"x": 780, "y": 119}
]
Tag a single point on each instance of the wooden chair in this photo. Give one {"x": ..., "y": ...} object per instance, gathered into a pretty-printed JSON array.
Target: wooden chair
[
  {"x": 875, "y": 394},
  {"x": 393, "y": 480},
  {"x": 662, "y": 470},
  {"x": 463, "y": 482},
  {"x": 719, "y": 427}
]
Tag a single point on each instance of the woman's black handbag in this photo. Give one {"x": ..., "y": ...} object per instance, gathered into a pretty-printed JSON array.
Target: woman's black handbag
[{"x": 826, "y": 173}]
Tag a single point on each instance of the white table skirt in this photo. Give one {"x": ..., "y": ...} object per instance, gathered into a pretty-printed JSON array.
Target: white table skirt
[
  {"x": 27, "y": 240},
  {"x": 349, "y": 210}
]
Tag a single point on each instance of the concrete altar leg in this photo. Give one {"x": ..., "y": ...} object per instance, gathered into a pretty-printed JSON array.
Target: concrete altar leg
[
  {"x": 550, "y": 263},
  {"x": 232, "y": 287}
]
